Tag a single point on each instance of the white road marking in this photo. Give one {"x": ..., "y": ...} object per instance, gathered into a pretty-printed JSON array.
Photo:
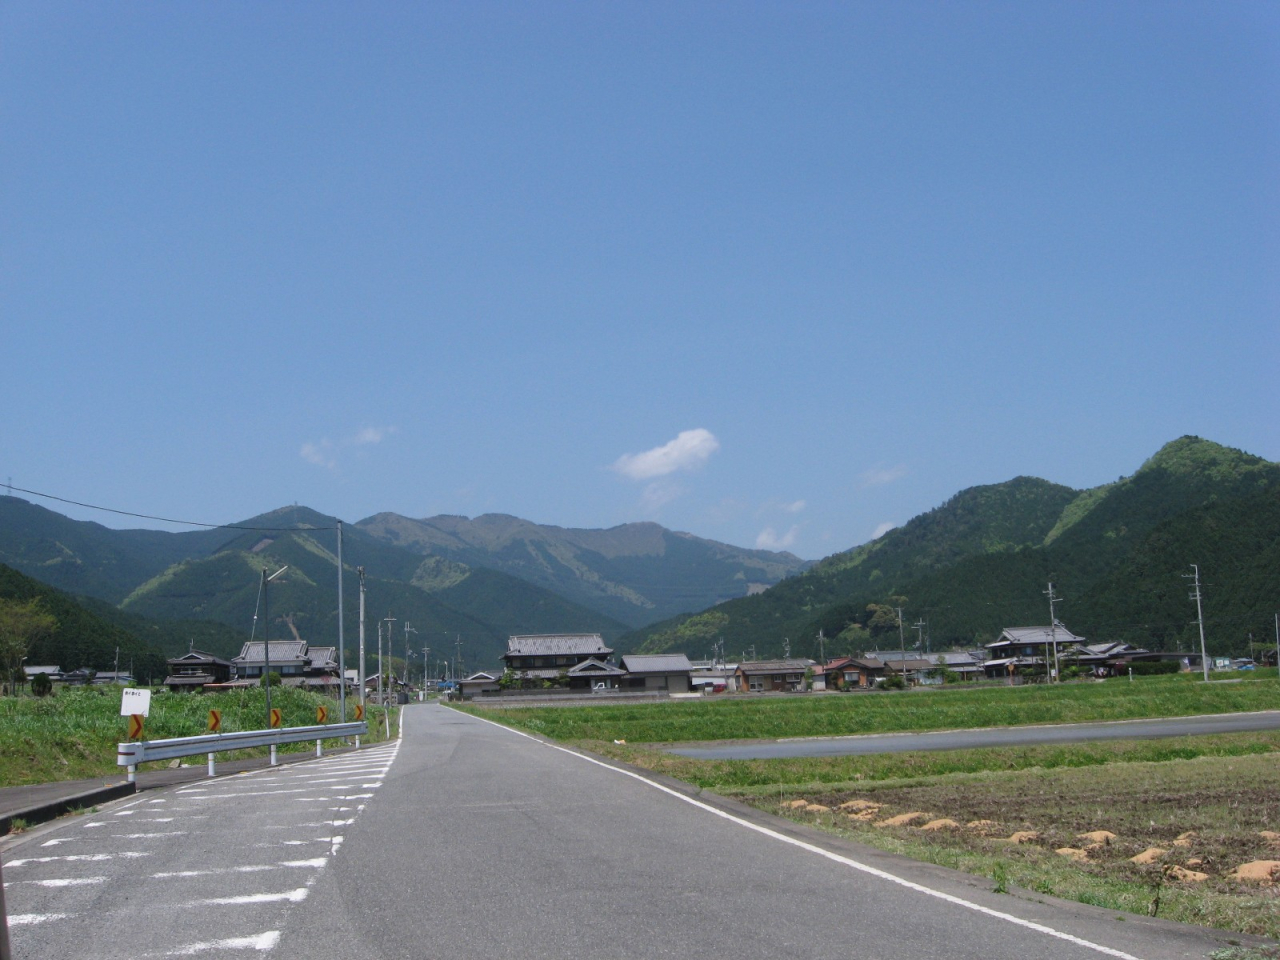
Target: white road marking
[
  {"x": 829, "y": 855},
  {"x": 61, "y": 882},
  {"x": 72, "y": 856},
  {"x": 261, "y": 942},
  {"x": 293, "y": 896},
  {"x": 31, "y": 919},
  {"x": 313, "y": 864}
]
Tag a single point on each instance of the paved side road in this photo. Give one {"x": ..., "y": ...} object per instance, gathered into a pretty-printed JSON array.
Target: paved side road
[
  {"x": 989, "y": 737},
  {"x": 473, "y": 840}
]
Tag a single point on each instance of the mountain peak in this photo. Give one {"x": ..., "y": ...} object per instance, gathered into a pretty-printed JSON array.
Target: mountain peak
[{"x": 1191, "y": 454}]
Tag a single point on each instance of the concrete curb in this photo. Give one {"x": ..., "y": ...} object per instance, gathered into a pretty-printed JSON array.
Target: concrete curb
[{"x": 53, "y": 809}]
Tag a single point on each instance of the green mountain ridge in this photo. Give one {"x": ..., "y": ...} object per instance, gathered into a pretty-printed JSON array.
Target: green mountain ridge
[
  {"x": 635, "y": 573},
  {"x": 982, "y": 561}
]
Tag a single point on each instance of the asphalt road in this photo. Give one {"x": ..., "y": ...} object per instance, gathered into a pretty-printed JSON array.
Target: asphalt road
[
  {"x": 989, "y": 737},
  {"x": 476, "y": 841}
]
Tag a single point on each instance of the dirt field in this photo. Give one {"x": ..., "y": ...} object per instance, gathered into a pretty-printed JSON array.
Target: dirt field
[{"x": 1192, "y": 825}]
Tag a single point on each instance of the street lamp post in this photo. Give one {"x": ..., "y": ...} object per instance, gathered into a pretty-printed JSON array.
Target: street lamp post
[{"x": 266, "y": 640}]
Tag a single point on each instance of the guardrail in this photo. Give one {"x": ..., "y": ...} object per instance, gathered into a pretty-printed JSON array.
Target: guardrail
[{"x": 134, "y": 752}]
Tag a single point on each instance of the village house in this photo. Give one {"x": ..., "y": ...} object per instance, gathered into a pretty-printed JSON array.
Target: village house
[
  {"x": 1030, "y": 651},
  {"x": 547, "y": 656},
  {"x": 194, "y": 669},
  {"x": 758, "y": 676},
  {"x": 297, "y": 663},
  {"x": 667, "y": 672}
]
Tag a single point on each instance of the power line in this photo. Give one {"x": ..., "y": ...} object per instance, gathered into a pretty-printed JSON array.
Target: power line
[{"x": 147, "y": 516}]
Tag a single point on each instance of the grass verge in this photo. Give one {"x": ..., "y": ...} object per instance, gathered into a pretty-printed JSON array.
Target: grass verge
[{"x": 73, "y": 734}]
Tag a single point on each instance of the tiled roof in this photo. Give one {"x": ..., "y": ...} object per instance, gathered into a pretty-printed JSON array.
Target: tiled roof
[
  {"x": 656, "y": 663},
  {"x": 775, "y": 666},
  {"x": 281, "y": 651},
  {"x": 1035, "y": 635},
  {"x": 557, "y": 645}
]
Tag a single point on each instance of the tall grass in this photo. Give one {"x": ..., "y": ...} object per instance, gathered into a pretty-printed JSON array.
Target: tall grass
[{"x": 73, "y": 734}]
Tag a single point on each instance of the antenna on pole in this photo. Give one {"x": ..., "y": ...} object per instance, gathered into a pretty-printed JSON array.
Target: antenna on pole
[{"x": 1194, "y": 577}]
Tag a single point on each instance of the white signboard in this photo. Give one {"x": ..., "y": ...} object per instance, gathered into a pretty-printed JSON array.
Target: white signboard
[{"x": 133, "y": 700}]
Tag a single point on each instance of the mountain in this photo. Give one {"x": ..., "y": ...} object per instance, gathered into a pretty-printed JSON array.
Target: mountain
[
  {"x": 982, "y": 561},
  {"x": 635, "y": 573},
  {"x": 83, "y": 638},
  {"x": 81, "y": 557},
  {"x": 481, "y": 606}
]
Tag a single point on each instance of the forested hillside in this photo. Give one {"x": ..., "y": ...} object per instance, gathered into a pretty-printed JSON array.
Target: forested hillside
[
  {"x": 983, "y": 560},
  {"x": 81, "y": 637}
]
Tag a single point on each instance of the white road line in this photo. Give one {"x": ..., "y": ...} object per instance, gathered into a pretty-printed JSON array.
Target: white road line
[
  {"x": 293, "y": 896},
  {"x": 61, "y": 882},
  {"x": 11, "y": 864},
  {"x": 829, "y": 855},
  {"x": 313, "y": 864},
  {"x": 261, "y": 942},
  {"x": 31, "y": 919}
]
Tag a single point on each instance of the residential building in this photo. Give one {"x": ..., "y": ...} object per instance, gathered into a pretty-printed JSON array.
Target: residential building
[
  {"x": 194, "y": 669},
  {"x": 669, "y": 672}
]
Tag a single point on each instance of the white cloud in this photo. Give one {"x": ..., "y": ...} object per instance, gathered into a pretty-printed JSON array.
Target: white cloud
[
  {"x": 880, "y": 474},
  {"x": 321, "y": 454},
  {"x": 324, "y": 453},
  {"x": 769, "y": 539},
  {"x": 688, "y": 451},
  {"x": 795, "y": 507},
  {"x": 372, "y": 435},
  {"x": 883, "y": 529}
]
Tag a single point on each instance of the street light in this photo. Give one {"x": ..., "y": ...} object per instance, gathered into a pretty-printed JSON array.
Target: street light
[{"x": 266, "y": 639}]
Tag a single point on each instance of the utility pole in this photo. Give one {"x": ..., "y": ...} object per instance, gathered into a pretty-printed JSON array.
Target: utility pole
[
  {"x": 342, "y": 659},
  {"x": 918, "y": 627},
  {"x": 902, "y": 642},
  {"x": 822, "y": 648},
  {"x": 786, "y": 648},
  {"x": 266, "y": 639},
  {"x": 389, "y": 620},
  {"x": 408, "y": 630},
  {"x": 457, "y": 658},
  {"x": 1194, "y": 577},
  {"x": 1053, "y": 631},
  {"x": 360, "y": 671},
  {"x": 426, "y": 668}
]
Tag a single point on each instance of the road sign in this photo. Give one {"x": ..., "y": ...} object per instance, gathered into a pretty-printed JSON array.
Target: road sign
[
  {"x": 322, "y": 714},
  {"x": 135, "y": 726},
  {"x": 359, "y": 711},
  {"x": 275, "y": 718},
  {"x": 215, "y": 721},
  {"x": 134, "y": 700}
]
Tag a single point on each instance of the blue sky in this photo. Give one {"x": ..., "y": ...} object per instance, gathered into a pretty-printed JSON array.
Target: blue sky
[{"x": 775, "y": 274}]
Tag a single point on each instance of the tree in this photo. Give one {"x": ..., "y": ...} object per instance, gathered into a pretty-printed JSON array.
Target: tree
[
  {"x": 271, "y": 679},
  {"x": 41, "y": 685},
  {"x": 22, "y": 623}
]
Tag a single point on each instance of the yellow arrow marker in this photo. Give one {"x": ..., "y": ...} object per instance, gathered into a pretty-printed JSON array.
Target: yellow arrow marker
[
  {"x": 359, "y": 711},
  {"x": 322, "y": 714},
  {"x": 215, "y": 721},
  {"x": 275, "y": 718},
  {"x": 135, "y": 726}
]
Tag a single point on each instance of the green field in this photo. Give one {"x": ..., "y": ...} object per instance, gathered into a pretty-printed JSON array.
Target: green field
[
  {"x": 836, "y": 714},
  {"x": 72, "y": 735}
]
